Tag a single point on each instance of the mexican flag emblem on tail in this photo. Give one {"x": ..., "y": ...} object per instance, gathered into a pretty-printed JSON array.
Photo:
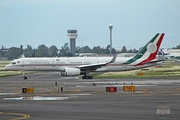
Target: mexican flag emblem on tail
[{"x": 148, "y": 52}]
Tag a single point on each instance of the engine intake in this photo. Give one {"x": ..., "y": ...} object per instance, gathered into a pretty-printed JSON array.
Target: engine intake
[{"x": 71, "y": 72}]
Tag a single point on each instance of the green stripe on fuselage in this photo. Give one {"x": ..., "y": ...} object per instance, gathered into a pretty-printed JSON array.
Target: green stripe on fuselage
[{"x": 141, "y": 52}]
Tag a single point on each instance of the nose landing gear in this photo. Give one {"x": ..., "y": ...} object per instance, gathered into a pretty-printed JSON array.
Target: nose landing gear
[{"x": 24, "y": 76}]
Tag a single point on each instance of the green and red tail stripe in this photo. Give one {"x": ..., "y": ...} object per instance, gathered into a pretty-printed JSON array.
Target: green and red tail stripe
[{"x": 148, "y": 52}]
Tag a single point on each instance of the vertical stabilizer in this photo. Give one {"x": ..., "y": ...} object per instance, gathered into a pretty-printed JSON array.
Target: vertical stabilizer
[{"x": 148, "y": 52}]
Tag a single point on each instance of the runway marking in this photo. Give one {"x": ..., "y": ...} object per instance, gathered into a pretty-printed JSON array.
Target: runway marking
[
  {"x": 24, "y": 116},
  {"x": 9, "y": 93},
  {"x": 78, "y": 94},
  {"x": 163, "y": 106},
  {"x": 38, "y": 98}
]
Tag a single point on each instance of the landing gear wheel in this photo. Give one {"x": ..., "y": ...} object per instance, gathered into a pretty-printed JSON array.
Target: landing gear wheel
[
  {"x": 24, "y": 75},
  {"x": 87, "y": 77}
]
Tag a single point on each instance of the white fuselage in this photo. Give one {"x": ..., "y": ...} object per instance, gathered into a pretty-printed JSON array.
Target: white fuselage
[{"x": 59, "y": 64}]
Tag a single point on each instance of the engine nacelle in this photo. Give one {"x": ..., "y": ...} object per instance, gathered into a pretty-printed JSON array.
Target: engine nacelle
[{"x": 71, "y": 72}]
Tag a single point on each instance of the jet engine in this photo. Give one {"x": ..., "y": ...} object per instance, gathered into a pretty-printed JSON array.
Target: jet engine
[{"x": 71, "y": 72}]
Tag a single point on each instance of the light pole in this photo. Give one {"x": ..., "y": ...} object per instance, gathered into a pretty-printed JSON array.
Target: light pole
[{"x": 110, "y": 27}]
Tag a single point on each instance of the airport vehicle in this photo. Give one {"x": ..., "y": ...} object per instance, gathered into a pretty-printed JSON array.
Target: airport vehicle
[{"x": 74, "y": 66}]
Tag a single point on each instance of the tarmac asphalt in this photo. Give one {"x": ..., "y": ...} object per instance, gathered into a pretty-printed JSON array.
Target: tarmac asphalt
[{"x": 157, "y": 99}]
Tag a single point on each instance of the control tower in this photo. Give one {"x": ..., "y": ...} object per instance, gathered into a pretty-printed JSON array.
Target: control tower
[{"x": 72, "y": 35}]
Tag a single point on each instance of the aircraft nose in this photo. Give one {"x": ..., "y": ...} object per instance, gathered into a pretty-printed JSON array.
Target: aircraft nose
[{"x": 7, "y": 67}]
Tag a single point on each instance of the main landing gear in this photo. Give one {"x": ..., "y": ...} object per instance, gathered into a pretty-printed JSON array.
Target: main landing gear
[{"x": 87, "y": 77}]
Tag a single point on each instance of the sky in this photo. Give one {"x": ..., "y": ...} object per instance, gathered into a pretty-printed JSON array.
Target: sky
[{"x": 135, "y": 22}]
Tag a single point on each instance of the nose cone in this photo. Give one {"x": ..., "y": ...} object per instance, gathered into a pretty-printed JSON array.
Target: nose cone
[{"x": 7, "y": 67}]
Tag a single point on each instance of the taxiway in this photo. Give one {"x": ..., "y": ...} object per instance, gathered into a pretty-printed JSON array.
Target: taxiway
[{"x": 88, "y": 99}]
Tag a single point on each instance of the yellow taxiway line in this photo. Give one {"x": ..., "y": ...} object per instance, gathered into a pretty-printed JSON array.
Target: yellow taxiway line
[{"x": 24, "y": 116}]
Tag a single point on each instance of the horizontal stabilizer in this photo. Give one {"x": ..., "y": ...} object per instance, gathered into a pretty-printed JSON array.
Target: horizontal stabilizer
[{"x": 154, "y": 61}]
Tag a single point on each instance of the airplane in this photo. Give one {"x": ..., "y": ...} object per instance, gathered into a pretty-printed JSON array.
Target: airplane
[
  {"x": 74, "y": 66},
  {"x": 170, "y": 55}
]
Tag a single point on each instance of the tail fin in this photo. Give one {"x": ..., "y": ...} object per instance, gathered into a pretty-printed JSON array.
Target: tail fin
[{"x": 148, "y": 52}]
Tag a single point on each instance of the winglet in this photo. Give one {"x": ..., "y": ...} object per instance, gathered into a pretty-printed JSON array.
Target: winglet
[{"x": 113, "y": 59}]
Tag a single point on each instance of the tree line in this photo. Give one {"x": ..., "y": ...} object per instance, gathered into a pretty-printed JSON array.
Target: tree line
[
  {"x": 53, "y": 51},
  {"x": 177, "y": 47}
]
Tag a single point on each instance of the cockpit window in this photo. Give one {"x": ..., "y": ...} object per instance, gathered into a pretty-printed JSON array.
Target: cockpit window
[{"x": 13, "y": 63}]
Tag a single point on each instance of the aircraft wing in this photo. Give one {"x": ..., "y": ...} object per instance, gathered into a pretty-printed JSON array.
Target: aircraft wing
[{"x": 96, "y": 65}]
